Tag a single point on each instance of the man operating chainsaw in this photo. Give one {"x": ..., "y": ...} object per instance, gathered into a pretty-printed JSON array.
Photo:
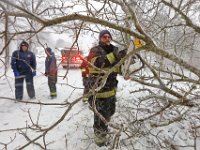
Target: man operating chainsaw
[{"x": 103, "y": 85}]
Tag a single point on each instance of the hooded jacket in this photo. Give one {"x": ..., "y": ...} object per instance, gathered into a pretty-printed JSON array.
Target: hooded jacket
[
  {"x": 23, "y": 62},
  {"x": 51, "y": 65}
]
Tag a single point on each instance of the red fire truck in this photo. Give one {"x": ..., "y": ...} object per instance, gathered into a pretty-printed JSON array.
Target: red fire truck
[{"x": 71, "y": 57}]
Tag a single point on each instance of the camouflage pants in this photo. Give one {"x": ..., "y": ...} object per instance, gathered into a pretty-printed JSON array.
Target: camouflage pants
[
  {"x": 52, "y": 80},
  {"x": 106, "y": 107}
]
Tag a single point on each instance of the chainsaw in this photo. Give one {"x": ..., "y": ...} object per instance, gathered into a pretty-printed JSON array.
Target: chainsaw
[{"x": 133, "y": 63}]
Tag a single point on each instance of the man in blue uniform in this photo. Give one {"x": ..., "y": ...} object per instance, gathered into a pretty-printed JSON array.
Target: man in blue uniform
[{"x": 23, "y": 64}]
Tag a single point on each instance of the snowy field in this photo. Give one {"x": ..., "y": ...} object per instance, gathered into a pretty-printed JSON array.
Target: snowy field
[
  {"x": 73, "y": 133},
  {"x": 20, "y": 115},
  {"x": 71, "y": 129}
]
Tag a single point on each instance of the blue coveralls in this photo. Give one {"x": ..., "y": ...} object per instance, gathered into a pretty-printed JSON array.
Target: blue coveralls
[{"x": 23, "y": 63}]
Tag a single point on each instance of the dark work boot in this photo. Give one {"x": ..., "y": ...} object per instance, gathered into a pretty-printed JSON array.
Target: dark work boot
[
  {"x": 100, "y": 139},
  {"x": 19, "y": 98},
  {"x": 53, "y": 96}
]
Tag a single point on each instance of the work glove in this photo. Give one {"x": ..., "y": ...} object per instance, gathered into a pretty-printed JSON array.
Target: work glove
[
  {"x": 34, "y": 73},
  {"x": 16, "y": 73},
  {"x": 119, "y": 54},
  {"x": 122, "y": 54}
]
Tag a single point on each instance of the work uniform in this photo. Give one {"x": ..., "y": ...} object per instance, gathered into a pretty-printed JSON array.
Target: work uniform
[
  {"x": 51, "y": 73},
  {"x": 23, "y": 64},
  {"x": 103, "y": 57},
  {"x": 85, "y": 74}
]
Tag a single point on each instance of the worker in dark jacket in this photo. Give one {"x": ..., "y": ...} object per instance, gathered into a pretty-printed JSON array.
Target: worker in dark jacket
[
  {"x": 103, "y": 99},
  {"x": 51, "y": 71},
  {"x": 23, "y": 63},
  {"x": 85, "y": 74}
]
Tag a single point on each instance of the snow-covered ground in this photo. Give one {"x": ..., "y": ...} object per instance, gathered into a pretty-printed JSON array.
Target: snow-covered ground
[
  {"x": 19, "y": 115},
  {"x": 74, "y": 131}
]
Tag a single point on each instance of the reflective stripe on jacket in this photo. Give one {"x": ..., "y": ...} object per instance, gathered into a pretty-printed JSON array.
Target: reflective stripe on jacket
[
  {"x": 93, "y": 70},
  {"x": 106, "y": 94}
]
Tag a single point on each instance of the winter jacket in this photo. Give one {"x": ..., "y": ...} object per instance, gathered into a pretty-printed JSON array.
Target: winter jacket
[
  {"x": 23, "y": 62},
  {"x": 84, "y": 68},
  {"x": 103, "y": 57},
  {"x": 51, "y": 65}
]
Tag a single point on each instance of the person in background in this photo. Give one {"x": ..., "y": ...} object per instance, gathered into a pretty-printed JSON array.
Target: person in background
[
  {"x": 103, "y": 56},
  {"x": 85, "y": 75},
  {"x": 23, "y": 63},
  {"x": 51, "y": 70}
]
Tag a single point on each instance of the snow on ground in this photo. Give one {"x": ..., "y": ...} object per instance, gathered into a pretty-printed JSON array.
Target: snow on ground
[
  {"x": 15, "y": 115},
  {"x": 75, "y": 132}
]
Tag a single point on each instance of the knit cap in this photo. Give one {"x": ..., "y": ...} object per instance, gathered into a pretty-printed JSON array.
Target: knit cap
[{"x": 104, "y": 32}]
